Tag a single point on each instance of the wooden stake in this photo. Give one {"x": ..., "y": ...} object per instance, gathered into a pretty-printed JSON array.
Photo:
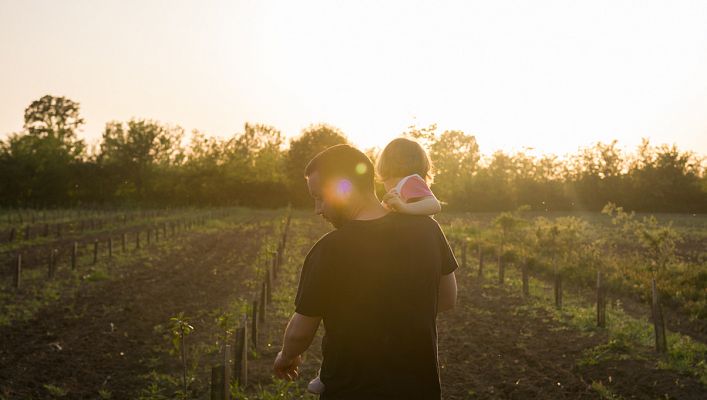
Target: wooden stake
[
  {"x": 51, "y": 263},
  {"x": 481, "y": 262},
  {"x": 263, "y": 300},
  {"x": 268, "y": 283},
  {"x": 74, "y": 254},
  {"x": 464, "y": 255},
  {"x": 241, "y": 354},
  {"x": 95, "y": 251},
  {"x": 661, "y": 341},
  {"x": 254, "y": 325},
  {"x": 601, "y": 301},
  {"x": 558, "y": 289},
  {"x": 501, "y": 267},
  {"x": 227, "y": 371},
  {"x": 217, "y": 382},
  {"x": 18, "y": 271},
  {"x": 526, "y": 286}
]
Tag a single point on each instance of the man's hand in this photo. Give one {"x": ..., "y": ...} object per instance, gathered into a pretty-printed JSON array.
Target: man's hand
[
  {"x": 286, "y": 368},
  {"x": 393, "y": 201}
]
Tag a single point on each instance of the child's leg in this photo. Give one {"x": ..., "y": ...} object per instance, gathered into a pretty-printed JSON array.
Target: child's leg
[{"x": 315, "y": 385}]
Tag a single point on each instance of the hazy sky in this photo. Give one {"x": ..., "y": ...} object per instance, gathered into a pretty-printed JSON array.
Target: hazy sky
[{"x": 553, "y": 75}]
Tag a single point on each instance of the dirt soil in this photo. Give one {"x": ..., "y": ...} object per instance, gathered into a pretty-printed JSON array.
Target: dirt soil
[
  {"x": 104, "y": 338},
  {"x": 494, "y": 345}
]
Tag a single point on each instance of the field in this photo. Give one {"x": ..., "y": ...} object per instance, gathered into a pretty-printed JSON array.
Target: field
[{"x": 136, "y": 320}]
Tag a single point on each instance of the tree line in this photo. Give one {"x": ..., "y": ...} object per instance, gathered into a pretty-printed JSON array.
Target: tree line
[{"x": 145, "y": 163}]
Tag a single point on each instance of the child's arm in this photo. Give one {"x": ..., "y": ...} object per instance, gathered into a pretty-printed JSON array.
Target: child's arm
[
  {"x": 428, "y": 205},
  {"x": 415, "y": 198}
]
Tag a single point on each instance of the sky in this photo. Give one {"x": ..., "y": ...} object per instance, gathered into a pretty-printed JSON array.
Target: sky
[{"x": 550, "y": 75}]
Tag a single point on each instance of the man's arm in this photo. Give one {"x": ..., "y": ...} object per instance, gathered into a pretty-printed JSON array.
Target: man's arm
[
  {"x": 447, "y": 296},
  {"x": 298, "y": 336}
]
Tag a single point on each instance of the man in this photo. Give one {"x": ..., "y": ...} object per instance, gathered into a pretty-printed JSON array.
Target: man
[{"x": 377, "y": 281}]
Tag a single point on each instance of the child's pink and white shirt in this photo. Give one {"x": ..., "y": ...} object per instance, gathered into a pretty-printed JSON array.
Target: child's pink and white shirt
[{"x": 412, "y": 187}]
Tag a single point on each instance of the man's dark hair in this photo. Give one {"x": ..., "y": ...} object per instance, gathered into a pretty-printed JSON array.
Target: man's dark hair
[{"x": 343, "y": 162}]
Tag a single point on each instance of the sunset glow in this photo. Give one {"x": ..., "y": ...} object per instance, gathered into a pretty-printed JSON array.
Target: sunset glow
[{"x": 552, "y": 75}]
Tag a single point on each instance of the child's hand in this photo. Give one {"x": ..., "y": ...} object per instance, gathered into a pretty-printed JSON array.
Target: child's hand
[{"x": 392, "y": 200}]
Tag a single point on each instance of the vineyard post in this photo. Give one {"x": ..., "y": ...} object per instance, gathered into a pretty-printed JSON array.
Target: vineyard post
[
  {"x": 51, "y": 263},
  {"x": 601, "y": 301},
  {"x": 241, "y": 353},
  {"x": 501, "y": 267},
  {"x": 558, "y": 283},
  {"x": 254, "y": 325},
  {"x": 227, "y": 372},
  {"x": 661, "y": 342},
  {"x": 137, "y": 240},
  {"x": 217, "y": 382},
  {"x": 268, "y": 284},
  {"x": 157, "y": 235},
  {"x": 481, "y": 261},
  {"x": 110, "y": 247},
  {"x": 18, "y": 271},
  {"x": 12, "y": 234},
  {"x": 524, "y": 271},
  {"x": 74, "y": 253},
  {"x": 28, "y": 232},
  {"x": 263, "y": 300},
  {"x": 464, "y": 255},
  {"x": 275, "y": 265},
  {"x": 95, "y": 251}
]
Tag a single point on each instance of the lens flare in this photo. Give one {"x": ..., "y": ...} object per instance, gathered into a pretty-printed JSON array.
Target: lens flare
[
  {"x": 361, "y": 168},
  {"x": 343, "y": 188}
]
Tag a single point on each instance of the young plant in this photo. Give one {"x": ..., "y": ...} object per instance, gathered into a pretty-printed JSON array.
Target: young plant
[{"x": 180, "y": 328}]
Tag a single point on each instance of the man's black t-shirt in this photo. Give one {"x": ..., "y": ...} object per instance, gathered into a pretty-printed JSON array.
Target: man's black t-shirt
[{"x": 375, "y": 283}]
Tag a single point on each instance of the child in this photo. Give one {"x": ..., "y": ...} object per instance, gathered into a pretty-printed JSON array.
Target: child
[{"x": 403, "y": 167}]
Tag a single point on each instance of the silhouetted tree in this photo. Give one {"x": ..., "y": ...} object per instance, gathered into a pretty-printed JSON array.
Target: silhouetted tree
[{"x": 313, "y": 139}]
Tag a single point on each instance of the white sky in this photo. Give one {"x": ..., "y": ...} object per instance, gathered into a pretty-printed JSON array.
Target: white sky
[{"x": 553, "y": 75}]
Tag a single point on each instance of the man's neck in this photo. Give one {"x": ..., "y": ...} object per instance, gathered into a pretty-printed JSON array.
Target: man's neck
[{"x": 370, "y": 208}]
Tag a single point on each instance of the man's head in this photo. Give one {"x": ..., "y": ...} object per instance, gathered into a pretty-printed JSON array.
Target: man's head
[{"x": 340, "y": 179}]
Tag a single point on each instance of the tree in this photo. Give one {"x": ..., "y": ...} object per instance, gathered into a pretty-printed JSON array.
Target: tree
[
  {"x": 455, "y": 157},
  {"x": 39, "y": 163},
  {"x": 58, "y": 118},
  {"x": 135, "y": 151},
  {"x": 313, "y": 140}
]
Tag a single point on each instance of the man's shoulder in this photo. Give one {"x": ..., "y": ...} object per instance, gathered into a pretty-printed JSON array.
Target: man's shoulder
[
  {"x": 423, "y": 221},
  {"x": 323, "y": 241}
]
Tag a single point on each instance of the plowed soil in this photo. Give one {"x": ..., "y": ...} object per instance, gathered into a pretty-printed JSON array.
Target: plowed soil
[{"x": 494, "y": 345}]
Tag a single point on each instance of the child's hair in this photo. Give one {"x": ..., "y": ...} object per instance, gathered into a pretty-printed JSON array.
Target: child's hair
[{"x": 403, "y": 157}]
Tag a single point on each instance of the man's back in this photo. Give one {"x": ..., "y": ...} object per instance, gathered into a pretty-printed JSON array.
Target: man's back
[{"x": 375, "y": 283}]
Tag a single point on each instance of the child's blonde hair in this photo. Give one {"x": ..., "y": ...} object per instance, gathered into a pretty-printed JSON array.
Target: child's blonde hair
[{"x": 403, "y": 157}]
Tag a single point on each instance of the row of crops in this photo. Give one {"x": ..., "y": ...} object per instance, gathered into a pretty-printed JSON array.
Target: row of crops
[{"x": 631, "y": 251}]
